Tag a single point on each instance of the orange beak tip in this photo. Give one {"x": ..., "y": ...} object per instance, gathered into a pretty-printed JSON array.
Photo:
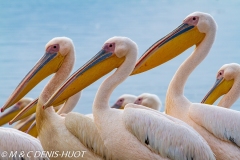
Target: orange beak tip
[{"x": 10, "y": 123}]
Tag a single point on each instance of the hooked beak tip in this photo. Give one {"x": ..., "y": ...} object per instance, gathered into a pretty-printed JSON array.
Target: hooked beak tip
[{"x": 2, "y": 109}]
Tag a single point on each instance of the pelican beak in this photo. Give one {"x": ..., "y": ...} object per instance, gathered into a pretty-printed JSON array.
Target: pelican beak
[
  {"x": 7, "y": 116},
  {"x": 102, "y": 63},
  {"x": 47, "y": 65},
  {"x": 25, "y": 125},
  {"x": 32, "y": 130},
  {"x": 169, "y": 47},
  {"x": 25, "y": 112},
  {"x": 220, "y": 88},
  {"x": 117, "y": 106}
]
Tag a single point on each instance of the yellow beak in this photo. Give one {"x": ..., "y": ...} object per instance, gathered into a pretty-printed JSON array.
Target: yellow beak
[
  {"x": 32, "y": 130},
  {"x": 220, "y": 88},
  {"x": 102, "y": 63},
  {"x": 25, "y": 123},
  {"x": 47, "y": 65},
  {"x": 169, "y": 47},
  {"x": 25, "y": 112},
  {"x": 14, "y": 110},
  {"x": 7, "y": 116}
]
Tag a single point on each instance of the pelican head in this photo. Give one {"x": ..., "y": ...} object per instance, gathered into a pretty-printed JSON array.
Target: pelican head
[
  {"x": 123, "y": 100},
  {"x": 111, "y": 56},
  {"x": 56, "y": 51},
  {"x": 227, "y": 80},
  {"x": 191, "y": 32},
  {"x": 16, "y": 108},
  {"x": 149, "y": 100}
]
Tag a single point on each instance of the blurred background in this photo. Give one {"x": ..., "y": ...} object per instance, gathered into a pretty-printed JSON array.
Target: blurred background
[{"x": 26, "y": 26}]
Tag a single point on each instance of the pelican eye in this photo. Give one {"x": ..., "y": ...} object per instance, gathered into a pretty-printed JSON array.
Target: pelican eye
[
  {"x": 220, "y": 73},
  {"x": 194, "y": 18}
]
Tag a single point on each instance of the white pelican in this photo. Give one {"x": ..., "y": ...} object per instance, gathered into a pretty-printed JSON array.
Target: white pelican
[
  {"x": 52, "y": 132},
  {"x": 123, "y": 100},
  {"x": 219, "y": 126},
  {"x": 227, "y": 84},
  {"x": 149, "y": 100},
  {"x": 139, "y": 132}
]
